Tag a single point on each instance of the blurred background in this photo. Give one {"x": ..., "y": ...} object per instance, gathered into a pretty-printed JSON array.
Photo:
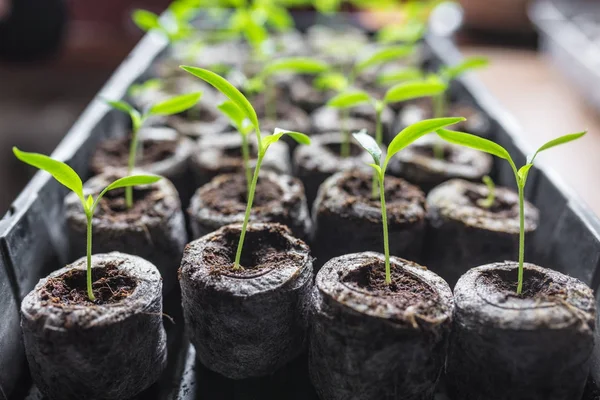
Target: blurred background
[{"x": 56, "y": 54}]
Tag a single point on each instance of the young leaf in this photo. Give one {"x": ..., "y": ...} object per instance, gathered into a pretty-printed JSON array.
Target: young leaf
[
  {"x": 89, "y": 203},
  {"x": 475, "y": 142},
  {"x": 331, "y": 81},
  {"x": 145, "y": 20},
  {"x": 299, "y": 65},
  {"x": 278, "y": 133},
  {"x": 471, "y": 63},
  {"x": 404, "y": 33},
  {"x": 559, "y": 140},
  {"x": 383, "y": 56},
  {"x": 369, "y": 144},
  {"x": 415, "y": 131},
  {"x": 136, "y": 118},
  {"x": 59, "y": 170},
  {"x": 139, "y": 88},
  {"x": 523, "y": 172},
  {"x": 398, "y": 76},
  {"x": 233, "y": 112},
  {"x": 414, "y": 89},
  {"x": 279, "y": 18},
  {"x": 349, "y": 99},
  {"x": 133, "y": 180},
  {"x": 175, "y": 105},
  {"x": 221, "y": 84}
]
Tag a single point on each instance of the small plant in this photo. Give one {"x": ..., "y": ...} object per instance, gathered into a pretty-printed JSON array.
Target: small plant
[
  {"x": 402, "y": 139},
  {"x": 245, "y": 110},
  {"x": 488, "y": 202},
  {"x": 492, "y": 148},
  {"x": 69, "y": 178},
  {"x": 174, "y": 105},
  {"x": 174, "y": 26}
]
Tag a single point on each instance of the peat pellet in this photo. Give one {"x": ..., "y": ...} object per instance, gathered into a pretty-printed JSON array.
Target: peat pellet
[
  {"x": 162, "y": 151},
  {"x": 112, "y": 348},
  {"x": 222, "y": 154},
  {"x": 418, "y": 164},
  {"x": 374, "y": 341},
  {"x": 462, "y": 234},
  {"x": 477, "y": 122},
  {"x": 328, "y": 119},
  {"x": 278, "y": 198},
  {"x": 302, "y": 93},
  {"x": 533, "y": 346},
  {"x": 347, "y": 218},
  {"x": 320, "y": 159},
  {"x": 249, "y": 322},
  {"x": 153, "y": 228}
]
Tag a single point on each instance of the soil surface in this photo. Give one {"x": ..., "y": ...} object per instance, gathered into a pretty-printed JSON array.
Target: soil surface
[
  {"x": 536, "y": 286},
  {"x": 232, "y": 195},
  {"x": 263, "y": 250},
  {"x": 145, "y": 203},
  {"x": 504, "y": 207},
  {"x": 336, "y": 149},
  {"x": 110, "y": 285},
  {"x": 115, "y": 152}
]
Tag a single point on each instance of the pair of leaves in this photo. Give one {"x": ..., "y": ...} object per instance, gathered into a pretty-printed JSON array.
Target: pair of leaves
[
  {"x": 405, "y": 137},
  {"x": 172, "y": 27},
  {"x": 66, "y": 176},
  {"x": 487, "y": 146},
  {"x": 468, "y": 64},
  {"x": 383, "y": 56},
  {"x": 399, "y": 75},
  {"x": 297, "y": 65}
]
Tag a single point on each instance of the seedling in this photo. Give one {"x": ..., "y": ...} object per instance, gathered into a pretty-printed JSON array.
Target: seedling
[
  {"x": 69, "y": 178},
  {"x": 174, "y": 105},
  {"x": 402, "y": 139},
  {"x": 246, "y": 111},
  {"x": 492, "y": 148},
  {"x": 174, "y": 26},
  {"x": 488, "y": 202}
]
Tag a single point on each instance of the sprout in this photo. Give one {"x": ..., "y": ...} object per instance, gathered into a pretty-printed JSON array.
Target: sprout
[
  {"x": 69, "y": 178},
  {"x": 246, "y": 109},
  {"x": 174, "y": 105},
  {"x": 492, "y": 148},
  {"x": 174, "y": 26},
  {"x": 402, "y": 139},
  {"x": 488, "y": 202}
]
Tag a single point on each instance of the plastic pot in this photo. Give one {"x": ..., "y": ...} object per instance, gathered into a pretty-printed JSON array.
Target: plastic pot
[
  {"x": 370, "y": 340},
  {"x": 112, "y": 348},
  {"x": 534, "y": 346}
]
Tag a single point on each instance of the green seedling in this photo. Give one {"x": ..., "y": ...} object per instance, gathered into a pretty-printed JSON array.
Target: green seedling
[
  {"x": 402, "y": 139},
  {"x": 174, "y": 26},
  {"x": 247, "y": 111},
  {"x": 485, "y": 145},
  {"x": 174, "y": 105},
  {"x": 69, "y": 178},
  {"x": 488, "y": 202}
]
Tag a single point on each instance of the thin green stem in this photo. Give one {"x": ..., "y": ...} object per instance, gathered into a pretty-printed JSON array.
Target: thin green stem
[
  {"x": 488, "y": 202},
  {"x": 238, "y": 254},
  {"x": 345, "y": 148},
  {"x": 439, "y": 111},
  {"x": 89, "y": 217},
  {"x": 246, "y": 157},
  {"x": 379, "y": 140},
  {"x": 386, "y": 245},
  {"x": 130, "y": 166},
  {"x": 521, "y": 237}
]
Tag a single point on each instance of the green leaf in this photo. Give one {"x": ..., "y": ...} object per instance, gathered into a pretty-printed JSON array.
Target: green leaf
[
  {"x": 230, "y": 91},
  {"x": 369, "y": 144},
  {"x": 349, "y": 99},
  {"x": 89, "y": 203},
  {"x": 127, "y": 181},
  {"x": 376, "y": 168},
  {"x": 175, "y": 105},
  {"x": 415, "y": 131},
  {"x": 278, "y": 133},
  {"x": 298, "y": 65},
  {"x": 331, "y": 81},
  {"x": 383, "y": 56},
  {"x": 279, "y": 18},
  {"x": 474, "y": 142},
  {"x": 233, "y": 112},
  {"x": 405, "y": 33},
  {"x": 471, "y": 63},
  {"x": 522, "y": 174},
  {"x": 414, "y": 89},
  {"x": 399, "y": 75},
  {"x": 558, "y": 141},
  {"x": 150, "y": 84},
  {"x": 136, "y": 117},
  {"x": 59, "y": 170},
  {"x": 145, "y": 20}
]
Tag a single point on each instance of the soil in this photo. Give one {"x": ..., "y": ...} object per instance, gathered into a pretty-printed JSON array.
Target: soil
[
  {"x": 145, "y": 203},
  {"x": 236, "y": 152},
  {"x": 428, "y": 151},
  {"x": 536, "y": 286},
  {"x": 397, "y": 191},
  {"x": 110, "y": 286},
  {"x": 336, "y": 149},
  {"x": 115, "y": 152},
  {"x": 263, "y": 250},
  {"x": 502, "y": 207},
  {"x": 232, "y": 195},
  {"x": 405, "y": 290}
]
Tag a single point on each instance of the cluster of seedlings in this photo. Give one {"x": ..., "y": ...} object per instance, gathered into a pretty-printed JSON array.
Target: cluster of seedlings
[{"x": 288, "y": 225}]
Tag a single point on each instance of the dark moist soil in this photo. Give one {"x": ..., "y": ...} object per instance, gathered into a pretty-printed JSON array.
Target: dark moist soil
[
  {"x": 231, "y": 197},
  {"x": 336, "y": 149},
  {"x": 360, "y": 187},
  {"x": 536, "y": 286},
  {"x": 503, "y": 208},
  {"x": 145, "y": 203},
  {"x": 115, "y": 152},
  {"x": 263, "y": 250},
  {"x": 236, "y": 152},
  {"x": 427, "y": 151},
  {"x": 405, "y": 290},
  {"x": 109, "y": 284}
]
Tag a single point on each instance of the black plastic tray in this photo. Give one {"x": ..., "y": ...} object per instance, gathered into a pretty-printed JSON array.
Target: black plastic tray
[{"x": 33, "y": 241}]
